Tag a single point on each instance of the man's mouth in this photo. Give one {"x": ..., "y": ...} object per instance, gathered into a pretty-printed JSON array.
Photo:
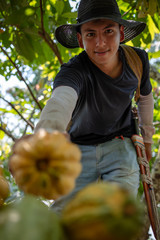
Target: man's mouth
[{"x": 101, "y": 52}]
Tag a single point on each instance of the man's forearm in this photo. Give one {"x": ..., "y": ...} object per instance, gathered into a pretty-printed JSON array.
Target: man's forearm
[
  {"x": 58, "y": 110},
  {"x": 145, "y": 111}
]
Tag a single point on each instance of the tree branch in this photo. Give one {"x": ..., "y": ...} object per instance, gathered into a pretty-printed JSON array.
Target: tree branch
[
  {"x": 156, "y": 124},
  {"x": 47, "y": 38},
  {"x": 28, "y": 122},
  {"x": 21, "y": 77},
  {"x": 8, "y": 133},
  {"x": 133, "y": 7},
  {"x": 24, "y": 132}
]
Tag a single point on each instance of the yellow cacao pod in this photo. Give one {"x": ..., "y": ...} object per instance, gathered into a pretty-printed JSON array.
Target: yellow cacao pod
[
  {"x": 102, "y": 211},
  {"x": 4, "y": 187},
  {"x": 45, "y": 164}
]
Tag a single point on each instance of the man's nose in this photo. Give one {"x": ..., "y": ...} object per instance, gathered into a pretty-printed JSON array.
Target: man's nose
[{"x": 100, "y": 40}]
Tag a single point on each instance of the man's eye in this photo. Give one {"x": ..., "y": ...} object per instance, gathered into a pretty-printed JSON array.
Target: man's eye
[
  {"x": 90, "y": 34},
  {"x": 109, "y": 31}
]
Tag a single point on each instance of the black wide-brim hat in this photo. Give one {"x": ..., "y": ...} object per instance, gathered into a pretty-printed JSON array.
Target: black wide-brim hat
[{"x": 89, "y": 10}]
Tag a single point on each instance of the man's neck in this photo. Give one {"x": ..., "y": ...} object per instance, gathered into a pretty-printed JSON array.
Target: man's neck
[
  {"x": 115, "y": 71},
  {"x": 113, "y": 68}
]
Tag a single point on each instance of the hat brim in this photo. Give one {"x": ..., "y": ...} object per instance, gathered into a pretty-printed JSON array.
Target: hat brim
[{"x": 67, "y": 34}]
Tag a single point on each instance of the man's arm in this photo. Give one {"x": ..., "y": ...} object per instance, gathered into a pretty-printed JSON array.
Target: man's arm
[
  {"x": 58, "y": 110},
  {"x": 145, "y": 111}
]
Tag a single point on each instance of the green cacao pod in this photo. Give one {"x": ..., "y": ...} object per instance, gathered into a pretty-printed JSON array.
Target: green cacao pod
[
  {"x": 29, "y": 219},
  {"x": 102, "y": 211}
]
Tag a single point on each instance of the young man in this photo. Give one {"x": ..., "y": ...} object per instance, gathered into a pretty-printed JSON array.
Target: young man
[{"x": 92, "y": 96}]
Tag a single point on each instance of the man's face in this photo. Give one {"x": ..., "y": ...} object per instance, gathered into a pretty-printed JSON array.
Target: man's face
[{"x": 100, "y": 39}]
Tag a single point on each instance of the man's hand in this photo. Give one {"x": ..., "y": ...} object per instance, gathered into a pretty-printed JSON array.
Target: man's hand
[
  {"x": 148, "y": 149},
  {"x": 66, "y": 135}
]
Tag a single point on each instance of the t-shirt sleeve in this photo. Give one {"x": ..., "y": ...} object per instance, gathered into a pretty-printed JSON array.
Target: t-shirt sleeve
[{"x": 70, "y": 77}]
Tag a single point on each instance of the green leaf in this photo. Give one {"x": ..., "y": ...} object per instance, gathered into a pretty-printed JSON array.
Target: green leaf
[
  {"x": 29, "y": 11},
  {"x": 31, "y": 31},
  {"x": 17, "y": 17},
  {"x": 33, "y": 3},
  {"x": 154, "y": 54},
  {"x": 69, "y": 15},
  {"x": 2, "y": 134},
  {"x": 3, "y": 5},
  {"x": 59, "y": 5},
  {"x": 153, "y": 5},
  {"x": 5, "y": 38},
  {"x": 24, "y": 46},
  {"x": 123, "y": 5},
  {"x": 152, "y": 27},
  {"x": 156, "y": 20}
]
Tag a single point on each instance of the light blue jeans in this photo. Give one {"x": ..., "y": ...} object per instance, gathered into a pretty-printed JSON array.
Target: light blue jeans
[{"x": 113, "y": 161}]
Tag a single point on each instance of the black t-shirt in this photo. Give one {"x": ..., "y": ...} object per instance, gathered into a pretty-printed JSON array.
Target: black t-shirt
[{"x": 103, "y": 108}]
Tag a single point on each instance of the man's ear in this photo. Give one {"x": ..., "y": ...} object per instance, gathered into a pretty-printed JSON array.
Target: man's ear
[
  {"x": 79, "y": 38},
  {"x": 121, "y": 33}
]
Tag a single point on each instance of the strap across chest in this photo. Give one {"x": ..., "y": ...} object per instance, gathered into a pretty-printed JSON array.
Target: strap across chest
[{"x": 135, "y": 64}]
